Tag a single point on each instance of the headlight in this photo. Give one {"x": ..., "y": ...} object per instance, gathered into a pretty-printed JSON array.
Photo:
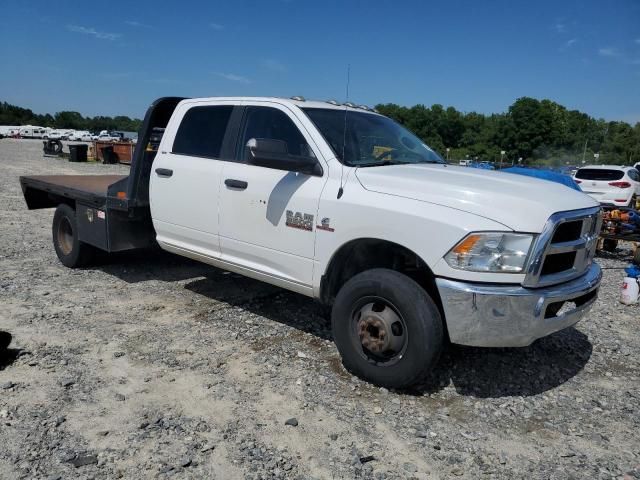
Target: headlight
[{"x": 491, "y": 252}]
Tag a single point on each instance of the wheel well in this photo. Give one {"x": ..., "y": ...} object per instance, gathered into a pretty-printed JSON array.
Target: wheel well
[
  {"x": 66, "y": 201},
  {"x": 364, "y": 254}
]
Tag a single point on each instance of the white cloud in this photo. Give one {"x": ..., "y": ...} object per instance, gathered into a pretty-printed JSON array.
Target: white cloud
[
  {"x": 135, "y": 23},
  {"x": 567, "y": 45},
  {"x": 94, "y": 32},
  {"x": 232, "y": 77},
  {"x": 619, "y": 56},
  {"x": 608, "y": 52},
  {"x": 560, "y": 28},
  {"x": 216, "y": 26},
  {"x": 273, "y": 65}
]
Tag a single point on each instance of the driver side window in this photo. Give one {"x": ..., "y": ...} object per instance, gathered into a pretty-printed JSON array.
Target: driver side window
[{"x": 272, "y": 124}]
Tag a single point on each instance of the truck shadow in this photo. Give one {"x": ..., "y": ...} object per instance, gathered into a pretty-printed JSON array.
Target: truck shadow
[
  {"x": 223, "y": 287},
  {"x": 479, "y": 372},
  {"x": 505, "y": 372},
  {"x": 273, "y": 303},
  {"x": 149, "y": 264}
]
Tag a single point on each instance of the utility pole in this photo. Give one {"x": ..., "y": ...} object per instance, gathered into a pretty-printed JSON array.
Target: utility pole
[{"x": 584, "y": 152}]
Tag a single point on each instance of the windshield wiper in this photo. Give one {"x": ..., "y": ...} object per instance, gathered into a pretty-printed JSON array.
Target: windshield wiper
[
  {"x": 395, "y": 162},
  {"x": 382, "y": 164}
]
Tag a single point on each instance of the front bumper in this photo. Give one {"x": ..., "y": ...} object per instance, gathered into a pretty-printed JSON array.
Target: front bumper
[{"x": 490, "y": 315}]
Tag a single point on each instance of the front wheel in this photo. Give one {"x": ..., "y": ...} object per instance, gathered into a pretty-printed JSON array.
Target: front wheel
[
  {"x": 387, "y": 328},
  {"x": 70, "y": 250}
]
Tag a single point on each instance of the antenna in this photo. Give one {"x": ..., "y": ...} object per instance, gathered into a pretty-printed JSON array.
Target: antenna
[{"x": 344, "y": 132}]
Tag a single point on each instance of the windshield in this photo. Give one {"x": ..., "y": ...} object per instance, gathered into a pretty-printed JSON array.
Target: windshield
[{"x": 368, "y": 139}]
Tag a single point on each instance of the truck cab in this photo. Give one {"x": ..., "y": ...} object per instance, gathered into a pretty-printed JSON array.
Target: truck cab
[{"x": 346, "y": 206}]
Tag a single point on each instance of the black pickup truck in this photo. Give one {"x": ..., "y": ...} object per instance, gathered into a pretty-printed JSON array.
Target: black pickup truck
[{"x": 108, "y": 212}]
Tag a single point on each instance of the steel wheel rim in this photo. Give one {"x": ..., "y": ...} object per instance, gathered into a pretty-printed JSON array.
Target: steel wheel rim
[
  {"x": 65, "y": 236},
  {"x": 379, "y": 331}
]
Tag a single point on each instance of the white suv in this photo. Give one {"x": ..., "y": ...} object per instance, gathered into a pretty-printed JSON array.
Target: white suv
[{"x": 610, "y": 184}]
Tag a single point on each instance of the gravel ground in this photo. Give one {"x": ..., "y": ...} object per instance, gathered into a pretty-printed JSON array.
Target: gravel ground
[{"x": 153, "y": 366}]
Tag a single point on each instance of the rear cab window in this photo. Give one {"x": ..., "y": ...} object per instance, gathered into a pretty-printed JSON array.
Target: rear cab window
[
  {"x": 202, "y": 131},
  {"x": 599, "y": 174}
]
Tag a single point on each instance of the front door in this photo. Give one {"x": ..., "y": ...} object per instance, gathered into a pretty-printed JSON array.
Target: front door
[{"x": 267, "y": 219}]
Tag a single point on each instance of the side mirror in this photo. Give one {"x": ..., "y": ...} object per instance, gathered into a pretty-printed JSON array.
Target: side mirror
[{"x": 264, "y": 152}]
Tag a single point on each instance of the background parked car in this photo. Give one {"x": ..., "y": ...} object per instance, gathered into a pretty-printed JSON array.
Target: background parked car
[
  {"x": 106, "y": 136},
  {"x": 54, "y": 135},
  {"x": 79, "y": 135},
  {"x": 610, "y": 184}
]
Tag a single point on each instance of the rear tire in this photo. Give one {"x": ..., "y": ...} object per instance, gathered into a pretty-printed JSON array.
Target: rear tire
[
  {"x": 387, "y": 328},
  {"x": 70, "y": 250}
]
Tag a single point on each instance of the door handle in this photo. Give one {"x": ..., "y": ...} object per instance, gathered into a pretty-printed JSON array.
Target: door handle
[
  {"x": 239, "y": 184},
  {"x": 164, "y": 172}
]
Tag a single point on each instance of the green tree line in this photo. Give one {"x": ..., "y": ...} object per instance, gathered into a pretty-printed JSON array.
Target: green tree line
[
  {"x": 536, "y": 131},
  {"x": 13, "y": 115}
]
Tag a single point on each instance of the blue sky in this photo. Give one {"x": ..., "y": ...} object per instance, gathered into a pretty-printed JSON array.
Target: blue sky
[{"x": 116, "y": 57}]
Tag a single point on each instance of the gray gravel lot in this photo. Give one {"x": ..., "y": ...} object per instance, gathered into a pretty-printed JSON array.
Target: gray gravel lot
[{"x": 153, "y": 366}]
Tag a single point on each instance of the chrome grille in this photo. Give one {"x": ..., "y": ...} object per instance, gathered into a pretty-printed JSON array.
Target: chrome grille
[{"x": 565, "y": 248}]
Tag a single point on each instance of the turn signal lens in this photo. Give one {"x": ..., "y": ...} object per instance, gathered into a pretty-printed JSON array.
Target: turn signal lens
[{"x": 465, "y": 247}]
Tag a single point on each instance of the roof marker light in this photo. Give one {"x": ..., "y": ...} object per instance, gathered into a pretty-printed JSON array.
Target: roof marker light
[{"x": 298, "y": 98}]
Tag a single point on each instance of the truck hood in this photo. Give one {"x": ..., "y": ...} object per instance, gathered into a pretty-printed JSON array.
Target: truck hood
[{"x": 520, "y": 203}]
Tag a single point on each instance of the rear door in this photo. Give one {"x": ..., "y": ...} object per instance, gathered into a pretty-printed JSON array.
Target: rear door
[
  {"x": 267, "y": 216},
  {"x": 185, "y": 177}
]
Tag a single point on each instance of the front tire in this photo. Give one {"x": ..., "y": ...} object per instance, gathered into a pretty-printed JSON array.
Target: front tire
[
  {"x": 387, "y": 328},
  {"x": 70, "y": 250}
]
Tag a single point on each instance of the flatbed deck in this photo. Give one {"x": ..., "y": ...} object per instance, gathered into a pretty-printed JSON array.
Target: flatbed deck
[
  {"x": 111, "y": 212},
  {"x": 88, "y": 188}
]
